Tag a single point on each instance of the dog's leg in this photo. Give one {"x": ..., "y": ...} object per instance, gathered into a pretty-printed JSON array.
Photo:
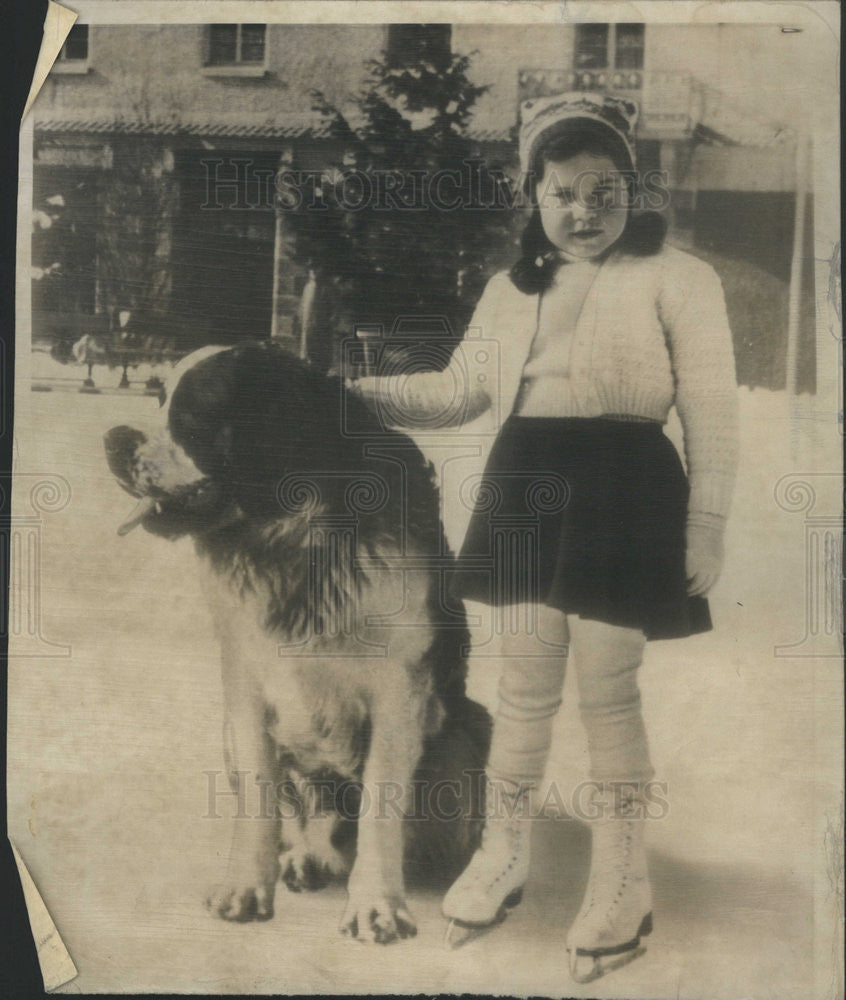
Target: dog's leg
[
  {"x": 296, "y": 873},
  {"x": 311, "y": 860},
  {"x": 323, "y": 826},
  {"x": 376, "y": 909},
  {"x": 248, "y": 888}
]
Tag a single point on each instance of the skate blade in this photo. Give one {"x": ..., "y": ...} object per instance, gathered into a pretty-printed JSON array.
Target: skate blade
[
  {"x": 585, "y": 965},
  {"x": 587, "y": 968},
  {"x": 459, "y": 933}
]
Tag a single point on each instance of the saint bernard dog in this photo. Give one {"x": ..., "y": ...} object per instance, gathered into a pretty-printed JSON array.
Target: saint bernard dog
[{"x": 347, "y": 728}]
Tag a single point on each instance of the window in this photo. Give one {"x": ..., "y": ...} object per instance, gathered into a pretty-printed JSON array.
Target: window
[
  {"x": 75, "y": 48},
  {"x": 231, "y": 44},
  {"x": 591, "y": 46},
  {"x": 410, "y": 43},
  {"x": 629, "y": 46},
  {"x": 598, "y": 47},
  {"x": 75, "y": 54}
]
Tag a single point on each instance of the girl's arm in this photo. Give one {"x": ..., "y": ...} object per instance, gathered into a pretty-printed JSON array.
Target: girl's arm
[
  {"x": 702, "y": 354},
  {"x": 448, "y": 398}
]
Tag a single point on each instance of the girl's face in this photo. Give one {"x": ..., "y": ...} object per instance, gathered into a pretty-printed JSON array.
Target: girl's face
[{"x": 583, "y": 203}]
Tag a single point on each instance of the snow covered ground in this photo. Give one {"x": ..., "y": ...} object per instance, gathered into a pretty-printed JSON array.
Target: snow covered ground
[{"x": 109, "y": 748}]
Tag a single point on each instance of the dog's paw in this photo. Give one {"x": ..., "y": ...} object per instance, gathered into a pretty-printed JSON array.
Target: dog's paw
[
  {"x": 310, "y": 866},
  {"x": 377, "y": 918},
  {"x": 300, "y": 871},
  {"x": 241, "y": 903}
]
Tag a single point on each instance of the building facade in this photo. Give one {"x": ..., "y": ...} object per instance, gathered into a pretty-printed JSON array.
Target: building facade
[{"x": 180, "y": 129}]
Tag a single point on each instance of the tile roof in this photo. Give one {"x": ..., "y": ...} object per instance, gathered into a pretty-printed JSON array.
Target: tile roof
[
  {"x": 288, "y": 128},
  {"x": 704, "y": 106}
]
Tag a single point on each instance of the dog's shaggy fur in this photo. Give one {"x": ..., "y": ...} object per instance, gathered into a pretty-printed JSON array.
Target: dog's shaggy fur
[{"x": 343, "y": 664}]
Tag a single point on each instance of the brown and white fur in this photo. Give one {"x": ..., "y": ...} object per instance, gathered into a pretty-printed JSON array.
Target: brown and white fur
[{"x": 343, "y": 660}]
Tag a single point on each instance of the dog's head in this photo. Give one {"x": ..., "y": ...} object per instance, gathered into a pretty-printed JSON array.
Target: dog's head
[{"x": 232, "y": 424}]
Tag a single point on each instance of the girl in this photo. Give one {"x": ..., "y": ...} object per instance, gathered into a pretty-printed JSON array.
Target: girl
[{"x": 585, "y": 519}]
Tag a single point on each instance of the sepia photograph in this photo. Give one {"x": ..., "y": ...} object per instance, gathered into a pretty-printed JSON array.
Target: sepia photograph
[{"x": 425, "y": 556}]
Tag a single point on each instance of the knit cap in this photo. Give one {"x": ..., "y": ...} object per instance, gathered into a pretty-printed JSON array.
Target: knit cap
[{"x": 541, "y": 119}]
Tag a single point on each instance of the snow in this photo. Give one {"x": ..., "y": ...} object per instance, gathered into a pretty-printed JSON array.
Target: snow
[{"x": 109, "y": 750}]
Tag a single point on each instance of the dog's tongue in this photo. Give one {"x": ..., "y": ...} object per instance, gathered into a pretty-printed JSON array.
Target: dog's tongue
[{"x": 142, "y": 509}]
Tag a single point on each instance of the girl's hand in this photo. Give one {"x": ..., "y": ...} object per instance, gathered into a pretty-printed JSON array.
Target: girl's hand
[
  {"x": 704, "y": 559},
  {"x": 366, "y": 388}
]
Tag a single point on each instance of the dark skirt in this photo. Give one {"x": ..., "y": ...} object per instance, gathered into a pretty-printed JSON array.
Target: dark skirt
[{"x": 587, "y": 516}]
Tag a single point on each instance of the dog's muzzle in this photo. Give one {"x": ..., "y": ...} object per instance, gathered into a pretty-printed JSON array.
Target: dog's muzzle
[{"x": 121, "y": 444}]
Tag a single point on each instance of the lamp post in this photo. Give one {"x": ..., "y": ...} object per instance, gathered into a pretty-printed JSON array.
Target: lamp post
[
  {"x": 796, "y": 262},
  {"x": 280, "y": 258}
]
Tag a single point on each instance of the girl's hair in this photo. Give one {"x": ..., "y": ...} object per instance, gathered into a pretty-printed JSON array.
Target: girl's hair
[{"x": 643, "y": 234}]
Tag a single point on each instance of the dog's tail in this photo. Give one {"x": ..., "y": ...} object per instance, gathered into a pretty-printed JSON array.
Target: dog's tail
[{"x": 445, "y": 826}]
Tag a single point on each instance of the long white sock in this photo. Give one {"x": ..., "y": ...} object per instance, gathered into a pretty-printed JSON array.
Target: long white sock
[
  {"x": 534, "y": 665},
  {"x": 607, "y": 659}
]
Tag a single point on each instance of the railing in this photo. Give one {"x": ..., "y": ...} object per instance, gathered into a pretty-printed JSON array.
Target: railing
[
  {"x": 666, "y": 97},
  {"x": 112, "y": 372},
  {"x": 533, "y": 83}
]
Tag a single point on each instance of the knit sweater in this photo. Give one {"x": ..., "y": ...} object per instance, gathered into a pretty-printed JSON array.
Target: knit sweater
[
  {"x": 546, "y": 387},
  {"x": 652, "y": 332}
]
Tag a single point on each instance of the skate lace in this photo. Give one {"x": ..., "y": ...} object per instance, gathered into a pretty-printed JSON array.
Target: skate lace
[
  {"x": 614, "y": 841},
  {"x": 502, "y": 830}
]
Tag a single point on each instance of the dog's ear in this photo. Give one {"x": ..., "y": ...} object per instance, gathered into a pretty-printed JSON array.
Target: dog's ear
[
  {"x": 266, "y": 414},
  {"x": 200, "y": 409}
]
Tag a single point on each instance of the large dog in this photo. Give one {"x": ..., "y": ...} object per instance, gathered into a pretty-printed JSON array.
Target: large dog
[{"x": 343, "y": 664}]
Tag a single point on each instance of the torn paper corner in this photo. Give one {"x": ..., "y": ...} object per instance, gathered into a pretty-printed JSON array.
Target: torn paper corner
[
  {"x": 57, "y": 966},
  {"x": 57, "y": 25}
]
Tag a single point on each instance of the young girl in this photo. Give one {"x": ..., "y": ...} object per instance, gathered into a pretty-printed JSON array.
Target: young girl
[{"x": 585, "y": 520}]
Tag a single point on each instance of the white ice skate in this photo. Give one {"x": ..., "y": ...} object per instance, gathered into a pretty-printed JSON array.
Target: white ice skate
[
  {"x": 617, "y": 909},
  {"x": 493, "y": 881}
]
